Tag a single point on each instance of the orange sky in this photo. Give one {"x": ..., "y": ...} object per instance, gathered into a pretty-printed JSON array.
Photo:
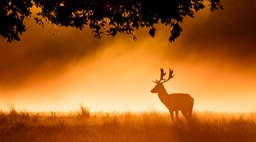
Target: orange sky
[{"x": 213, "y": 61}]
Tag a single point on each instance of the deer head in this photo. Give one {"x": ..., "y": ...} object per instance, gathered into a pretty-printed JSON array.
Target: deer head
[{"x": 159, "y": 83}]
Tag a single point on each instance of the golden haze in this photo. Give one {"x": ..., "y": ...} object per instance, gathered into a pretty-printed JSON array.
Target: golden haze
[{"x": 45, "y": 72}]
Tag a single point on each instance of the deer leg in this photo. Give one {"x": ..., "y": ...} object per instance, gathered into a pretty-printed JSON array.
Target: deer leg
[
  {"x": 171, "y": 113},
  {"x": 190, "y": 113},
  {"x": 186, "y": 114},
  {"x": 177, "y": 115}
]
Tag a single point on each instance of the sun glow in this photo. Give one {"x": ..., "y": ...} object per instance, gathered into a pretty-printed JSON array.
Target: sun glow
[
  {"x": 72, "y": 68},
  {"x": 119, "y": 78}
]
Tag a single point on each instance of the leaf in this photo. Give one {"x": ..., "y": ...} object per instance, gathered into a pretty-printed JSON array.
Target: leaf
[
  {"x": 175, "y": 33},
  {"x": 152, "y": 32}
]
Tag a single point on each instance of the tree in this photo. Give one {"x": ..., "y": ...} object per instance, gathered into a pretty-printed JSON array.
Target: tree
[{"x": 102, "y": 16}]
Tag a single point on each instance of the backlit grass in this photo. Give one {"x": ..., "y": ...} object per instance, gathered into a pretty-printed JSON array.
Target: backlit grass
[{"x": 83, "y": 126}]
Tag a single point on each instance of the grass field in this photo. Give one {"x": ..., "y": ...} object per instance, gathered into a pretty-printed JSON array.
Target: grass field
[{"x": 83, "y": 126}]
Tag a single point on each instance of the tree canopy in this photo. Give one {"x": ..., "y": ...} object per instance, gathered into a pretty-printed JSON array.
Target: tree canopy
[{"x": 101, "y": 16}]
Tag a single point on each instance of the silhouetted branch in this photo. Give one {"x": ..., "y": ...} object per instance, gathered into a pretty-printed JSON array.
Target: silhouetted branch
[{"x": 102, "y": 16}]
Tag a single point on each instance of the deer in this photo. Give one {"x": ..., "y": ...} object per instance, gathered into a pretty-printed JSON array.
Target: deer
[{"x": 174, "y": 102}]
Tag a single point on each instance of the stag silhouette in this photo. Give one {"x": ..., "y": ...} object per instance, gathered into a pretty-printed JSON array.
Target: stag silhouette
[{"x": 175, "y": 102}]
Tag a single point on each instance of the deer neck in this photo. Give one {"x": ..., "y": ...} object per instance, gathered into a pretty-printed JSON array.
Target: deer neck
[{"x": 162, "y": 94}]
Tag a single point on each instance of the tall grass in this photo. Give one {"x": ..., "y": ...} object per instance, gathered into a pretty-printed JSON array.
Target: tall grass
[{"x": 84, "y": 126}]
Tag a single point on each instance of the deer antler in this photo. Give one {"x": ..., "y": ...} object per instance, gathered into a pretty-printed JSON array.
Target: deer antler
[
  {"x": 170, "y": 76},
  {"x": 162, "y": 74}
]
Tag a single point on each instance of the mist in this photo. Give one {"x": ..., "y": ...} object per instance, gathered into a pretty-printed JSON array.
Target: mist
[{"x": 60, "y": 68}]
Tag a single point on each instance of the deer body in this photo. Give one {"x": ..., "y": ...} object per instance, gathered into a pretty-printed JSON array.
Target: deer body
[{"x": 175, "y": 102}]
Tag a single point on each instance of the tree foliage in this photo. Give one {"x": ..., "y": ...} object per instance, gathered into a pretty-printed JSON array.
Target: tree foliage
[{"x": 102, "y": 16}]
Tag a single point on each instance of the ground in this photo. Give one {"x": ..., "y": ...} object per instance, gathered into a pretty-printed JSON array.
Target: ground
[{"x": 85, "y": 126}]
